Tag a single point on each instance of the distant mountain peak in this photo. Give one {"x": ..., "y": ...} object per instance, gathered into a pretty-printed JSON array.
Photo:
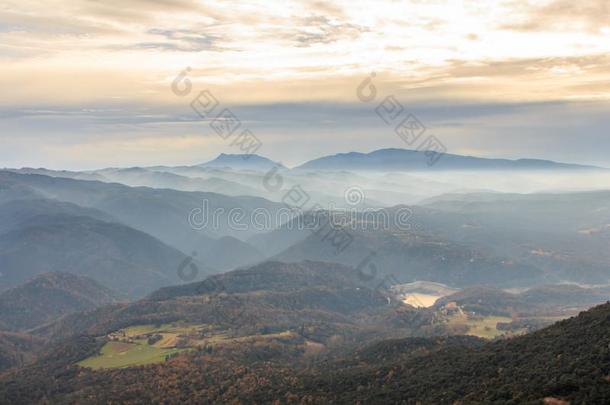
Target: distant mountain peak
[
  {"x": 395, "y": 159},
  {"x": 241, "y": 162}
]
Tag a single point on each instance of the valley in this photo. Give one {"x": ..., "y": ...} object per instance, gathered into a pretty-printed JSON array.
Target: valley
[
  {"x": 111, "y": 292},
  {"x": 304, "y": 202}
]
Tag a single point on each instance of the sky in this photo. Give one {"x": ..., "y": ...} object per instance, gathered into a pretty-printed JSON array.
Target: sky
[{"x": 88, "y": 83}]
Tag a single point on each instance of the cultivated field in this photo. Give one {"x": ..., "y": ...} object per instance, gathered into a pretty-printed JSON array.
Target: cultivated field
[
  {"x": 483, "y": 327},
  {"x": 119, "y": 355}
]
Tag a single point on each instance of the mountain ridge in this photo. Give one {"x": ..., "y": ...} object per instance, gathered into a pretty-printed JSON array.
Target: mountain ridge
[{"x": 398, "y": 159}]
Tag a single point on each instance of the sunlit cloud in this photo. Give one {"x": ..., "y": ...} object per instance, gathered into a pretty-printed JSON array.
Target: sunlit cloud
[
  {"x": 425, "y": 46},
  {"x": 72, "y": 53},
  {"x": 561, "y": 15}
]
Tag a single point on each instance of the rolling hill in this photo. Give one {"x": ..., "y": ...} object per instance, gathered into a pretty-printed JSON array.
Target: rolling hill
[
  {"x": 548, "y": 299},
  {"x": 406, "y": 255},
  {"x": 174, "y": 217},
  {"x": 268, "y": 296},
  {"x": 49, "y": 296},
  {"x": 40, "y": 236},
  {"x": 163, "y": 213},
  {"x": 564, "y": 363}
]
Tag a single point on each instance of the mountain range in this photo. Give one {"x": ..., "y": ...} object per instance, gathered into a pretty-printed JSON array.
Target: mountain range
[
  {"x": 456, "y": 238},
  {"x": 213, "y": 276},
  {"x": 391, "y": 159},
  {"x": 383, "y": 160}
]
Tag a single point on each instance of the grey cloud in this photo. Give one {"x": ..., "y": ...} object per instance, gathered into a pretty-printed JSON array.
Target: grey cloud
[
  {"x": 93, "y": 115},
  {"x": 181, "y": 40}
]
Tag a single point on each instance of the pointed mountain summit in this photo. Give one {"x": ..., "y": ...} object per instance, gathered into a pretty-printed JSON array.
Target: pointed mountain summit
[{"x": 241, "y": 162}]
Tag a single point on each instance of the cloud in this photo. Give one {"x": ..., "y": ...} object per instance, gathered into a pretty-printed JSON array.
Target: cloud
[
  {"x": 562, "y": 15},
  {"x": 182, "y": 40},
  {"x": 320, "y": 29},
  {"x": 326, "y": 8},
  {"x": 133, "y": 11},
  {"x": 104, "y": 55}
]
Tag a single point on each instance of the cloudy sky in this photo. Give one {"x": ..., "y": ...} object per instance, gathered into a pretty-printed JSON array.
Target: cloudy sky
[{"x": 87, "y": 83}]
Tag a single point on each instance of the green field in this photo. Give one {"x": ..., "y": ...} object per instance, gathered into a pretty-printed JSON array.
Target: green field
[
  {"x": 130, "y": 346},
  {"x": 119, "y": 354},
  {"x": 481, "y": 327}
]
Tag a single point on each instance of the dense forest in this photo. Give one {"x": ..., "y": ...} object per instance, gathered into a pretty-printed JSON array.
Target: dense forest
[{"x": 568, "y": 361}]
